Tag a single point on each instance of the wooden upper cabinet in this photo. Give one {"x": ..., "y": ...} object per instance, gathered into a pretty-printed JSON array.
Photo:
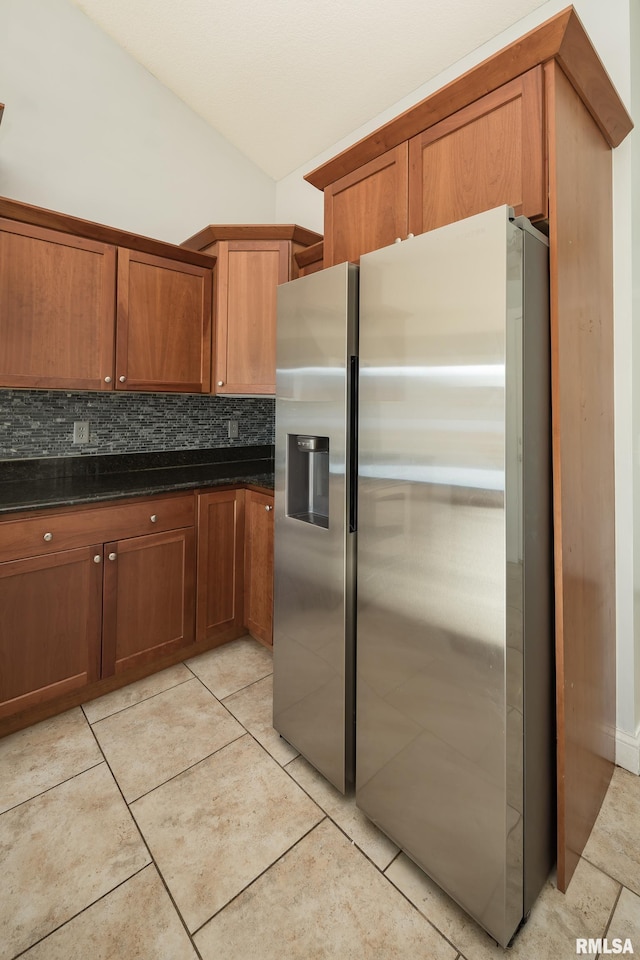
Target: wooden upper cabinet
[
  {"x": 59, "y": 326},
  {"x": 163, "y": 324},
  {"x": 367, "y": 209},
  {"x": 252, "y": 259},
  {"x": 57, "y": 296},
  {"x": 485, "y": 155},
  {"x": 310, "y": 259},
  {"x": 248, "y": 272},
  {"x": 489, "y": 153}
]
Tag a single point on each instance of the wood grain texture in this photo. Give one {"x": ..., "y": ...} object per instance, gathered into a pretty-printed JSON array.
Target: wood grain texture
[
  {"x": 367, "y": 209},
  {"x": 23, "y": 536},
  {"x": 149, "y": 598},
  {"x": 220, "y": 574},
  {"x": 251, "y": 231},
  {"x": 247, "y": 275},
  {"x": 310, "y": 260},
  {"x": 562, "y": 36},
  {"x": 57, "y": 597},
  {"x": 163, "y": 324},
  {"x": 27, "y": 716},
  {"x": 39, "y": 216},
  {"x": 57, "y": 309},
  {"x": 56, "y": 699},
  {"x": 258, "y": 566},
  {"x": 485, "y": 155},
  {"x": 581, "y": 273}
]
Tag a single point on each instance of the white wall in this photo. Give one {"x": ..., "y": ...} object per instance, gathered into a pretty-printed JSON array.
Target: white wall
[
  {"x": 608, "y": 26},
  {"x": 89, "y": 132}
]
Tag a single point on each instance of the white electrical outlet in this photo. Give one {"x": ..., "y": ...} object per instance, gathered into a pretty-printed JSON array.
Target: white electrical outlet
[{"x": 81, "y": 431}]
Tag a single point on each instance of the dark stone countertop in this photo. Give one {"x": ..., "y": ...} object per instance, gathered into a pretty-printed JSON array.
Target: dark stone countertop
[{"x": 56, "y": 482}]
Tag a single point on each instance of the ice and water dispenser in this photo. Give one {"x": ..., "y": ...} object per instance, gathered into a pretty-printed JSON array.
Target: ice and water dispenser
[{"x": 308, "y": 479}]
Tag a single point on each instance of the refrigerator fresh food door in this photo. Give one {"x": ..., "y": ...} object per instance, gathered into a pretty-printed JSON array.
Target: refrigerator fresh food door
[
  {"x": 439, "y": 761},
  {"x": 314, "y": 576}
]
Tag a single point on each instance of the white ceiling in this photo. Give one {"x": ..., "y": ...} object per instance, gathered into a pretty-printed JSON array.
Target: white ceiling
[{"x": 284, "y": 79}]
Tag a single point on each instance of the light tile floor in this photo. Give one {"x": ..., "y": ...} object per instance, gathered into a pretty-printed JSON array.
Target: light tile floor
[{"x": 168, "y": 821}]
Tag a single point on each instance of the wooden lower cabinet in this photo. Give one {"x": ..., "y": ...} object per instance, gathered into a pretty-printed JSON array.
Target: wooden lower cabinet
[
  {"x": 149, "y": 598},
  {"x": 88, "y": 610},
  {"x": 219, "y": 604},
  {"x": 77, "y": 616},
  {"x": 258, "y": 566},
  {"x": 50, "y": 628}
]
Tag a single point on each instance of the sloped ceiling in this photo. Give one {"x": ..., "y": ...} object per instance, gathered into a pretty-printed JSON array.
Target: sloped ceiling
[{"x": 284, "y": 79}]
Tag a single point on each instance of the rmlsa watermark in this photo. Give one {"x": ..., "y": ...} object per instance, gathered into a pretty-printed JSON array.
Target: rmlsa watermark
[{"x": 603, "y": 946}]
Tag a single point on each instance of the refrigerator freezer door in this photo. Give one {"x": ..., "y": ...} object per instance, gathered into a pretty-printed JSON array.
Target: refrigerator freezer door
[
  {"x": 439, "y": 670},
  {"x": 314, "y": 549}
]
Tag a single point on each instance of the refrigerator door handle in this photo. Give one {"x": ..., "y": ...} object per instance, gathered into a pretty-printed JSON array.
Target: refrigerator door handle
[{"x": 353, "y": 443}]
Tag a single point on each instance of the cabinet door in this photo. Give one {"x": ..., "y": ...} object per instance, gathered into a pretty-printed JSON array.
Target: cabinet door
[
  {"x": 163, "y": 324},
  {"x": 219, "y": 612},
  {"x": 149, "y": 598},
  {"x": 485, "y": 155},
  {"x": 248, "y": 273},
  {"x": 57, "y": 302},
  {"x": 50, "y": 626},
  {"x": 366, "y": 209},
  {"x": 258, "y": 601}
]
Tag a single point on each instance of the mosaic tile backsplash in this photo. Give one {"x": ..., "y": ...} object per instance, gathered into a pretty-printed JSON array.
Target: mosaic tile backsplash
[{"x": 39, "y": 423}]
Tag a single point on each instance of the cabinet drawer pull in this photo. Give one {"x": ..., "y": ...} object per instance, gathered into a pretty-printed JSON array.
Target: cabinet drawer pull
[
  {"x": 97, "y": 558},
  {"x": 221, "y": 383},
  {"x": 48, "y": 537},
  {"x": 153, "y": 518},
  {"x": 122, "y": 379},
  {"x": 112, "y": 556},
  {"x": 107, "y": 379},
  {"x": 268, "y": 507}
]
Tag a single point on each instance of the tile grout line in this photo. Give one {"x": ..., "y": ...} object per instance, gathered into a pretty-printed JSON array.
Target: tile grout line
[
  {"x": 261, "y": 874},
  {"x": 617, "y": 880},
  {"x": 115, "y": 713},
  {"x": 611, "y": 915},
  {"x": 80, "y": 912},
  {"x": 253, "y": 683},
  {"x": 424, "y": 916},
  {"x": 227, "y": 696},
  {"x": 73, "y": 776},
  {"x": 147, "y": 848},
  {"x": 186, "y": 769}
]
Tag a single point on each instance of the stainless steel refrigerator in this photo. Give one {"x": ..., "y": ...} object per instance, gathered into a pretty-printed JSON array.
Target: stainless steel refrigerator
[{"x": 454, "y": 753}]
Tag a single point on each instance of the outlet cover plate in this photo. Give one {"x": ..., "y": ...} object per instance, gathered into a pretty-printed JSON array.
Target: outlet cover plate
[{"x": 81, "y": 431}]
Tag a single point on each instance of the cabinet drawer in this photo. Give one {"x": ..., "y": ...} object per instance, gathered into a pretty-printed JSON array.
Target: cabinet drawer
[{"x": 50, "y": 532}]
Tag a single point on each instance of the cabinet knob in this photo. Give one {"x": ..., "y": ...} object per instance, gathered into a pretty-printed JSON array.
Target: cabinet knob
[
  {"x": 410, "y": 236},
  {"x": 153, "y": 518},
  {"x": 112, "y": 556},
  {"x": 97, "y": 558},
  {"x": 221, "y": 383},
  {"x": 107, "y": 379},
  {"x": 122, "y": 379},
  {"x": 398, "y": 240},
  {"x": 48, "y": 537},
  {"x": 268, "y": 507}
]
